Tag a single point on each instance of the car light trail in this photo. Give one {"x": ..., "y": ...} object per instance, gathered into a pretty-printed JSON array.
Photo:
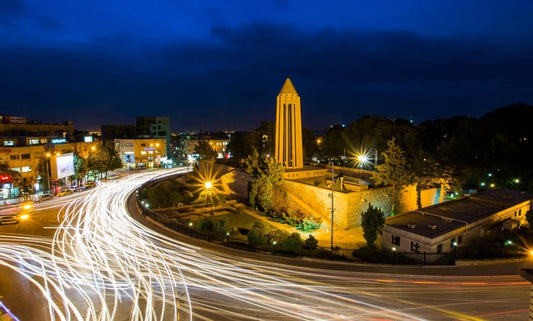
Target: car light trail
[{"x": 103, "y": 265}]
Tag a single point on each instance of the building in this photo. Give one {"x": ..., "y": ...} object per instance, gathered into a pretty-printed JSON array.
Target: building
[
  {"x": 154, "y": 127},
  {"x": 288, "y": 148},
  {"x": 141, "y": 152},
  {"x": 112, "y": 132},
  {"x": 35, "y": 163},
  {"x": 441, "y": 227},
  {"x": 218, "y": 145}
]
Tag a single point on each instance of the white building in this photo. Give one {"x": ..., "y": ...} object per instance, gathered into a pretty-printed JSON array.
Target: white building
[{"x": 438, "y": 228}]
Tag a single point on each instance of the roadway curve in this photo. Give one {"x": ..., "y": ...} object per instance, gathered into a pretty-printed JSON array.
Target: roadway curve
[{"x": 102, "y": 264}]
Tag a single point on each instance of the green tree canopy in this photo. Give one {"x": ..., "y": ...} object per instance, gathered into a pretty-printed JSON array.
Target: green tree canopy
[
  {"x": 266, "y": 174},
  {"x": 372, "y": 221},
  {"x": 394, "y": 171},
  {"x": 204, "y": 149}
]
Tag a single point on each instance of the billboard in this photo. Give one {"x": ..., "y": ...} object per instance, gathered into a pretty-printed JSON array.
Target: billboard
[
  {"x": 62, "y": 166},
  {"x": 129, "y": 157}
]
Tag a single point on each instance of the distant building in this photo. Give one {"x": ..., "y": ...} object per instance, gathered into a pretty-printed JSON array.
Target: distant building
[
  {"x": 30, "y": 160},
  {"x": 112, "y": 132},
  {"x": 17, "y": 131},
  {"x": 155, "y": 127},
  {"x": 141, "y": 152},
  {"x": 218, "y": 145},
  {"x": 438, "y": 228}
]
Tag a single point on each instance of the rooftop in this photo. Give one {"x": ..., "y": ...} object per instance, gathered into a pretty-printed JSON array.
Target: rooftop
[{"x": 442, "y": 218}]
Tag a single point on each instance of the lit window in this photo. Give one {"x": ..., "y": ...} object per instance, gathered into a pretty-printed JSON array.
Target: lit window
[
  {"x": 143, "y": 152},
  {"x": 26, "y": 169}
]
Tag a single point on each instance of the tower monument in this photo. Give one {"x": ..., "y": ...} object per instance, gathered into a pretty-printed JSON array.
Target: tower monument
[{"x": 289, "y": 149}]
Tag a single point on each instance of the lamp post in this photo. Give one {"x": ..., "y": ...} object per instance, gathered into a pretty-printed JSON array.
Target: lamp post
[
  {"x": 332, "y": 200},
  {"x": 47, "y": 164}
]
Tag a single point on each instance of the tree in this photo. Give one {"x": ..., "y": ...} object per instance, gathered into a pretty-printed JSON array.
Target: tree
[
  {"x": 204, "y": 149},
  {"x": 293, "y": 243},
  {"x": 103, "y": 160},
  {"x": 256, "y": 236},
  {"x": 311, "y": 242},
  {"x": 393, "y": 172},
  {"x": 241, "y": 145},
  {"x": 372, "y": 221},
  {"x": 529, "y": 218},
  {"x": 266, "y": 174},
  {"x": 80, "y": 167}
]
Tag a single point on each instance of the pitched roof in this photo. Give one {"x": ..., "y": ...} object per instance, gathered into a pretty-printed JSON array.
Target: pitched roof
[{"x": 288, "y": 88}]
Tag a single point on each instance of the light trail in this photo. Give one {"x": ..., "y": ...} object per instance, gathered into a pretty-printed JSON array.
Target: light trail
[{"x": 103, "y": 265}]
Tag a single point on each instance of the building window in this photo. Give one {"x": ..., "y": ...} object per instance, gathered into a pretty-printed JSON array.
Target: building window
[
  {"x": 396, "y": 240},
  {"x": 439, "y": 248},
  {"x": 25, "y": 156},
  {"x": 13, "y": 157},
  {"x": 460, "y": 239},
  {"x": 26, "y": 169},
  {"x": 415, "y": 247},
  {"x": 520, "y": 213}
]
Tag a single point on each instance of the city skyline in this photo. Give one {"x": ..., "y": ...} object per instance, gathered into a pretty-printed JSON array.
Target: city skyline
[{"x": 213, "y": 65}]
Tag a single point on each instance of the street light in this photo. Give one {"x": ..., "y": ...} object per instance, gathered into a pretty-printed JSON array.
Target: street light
[{"x": 332, "y": 201}]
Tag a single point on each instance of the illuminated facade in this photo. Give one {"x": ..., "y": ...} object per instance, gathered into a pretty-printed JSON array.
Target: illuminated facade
[
  {"x": 141, "y": 153},
  {"x": 218, "y": 145},
  {"x": 288, "y": 150}
]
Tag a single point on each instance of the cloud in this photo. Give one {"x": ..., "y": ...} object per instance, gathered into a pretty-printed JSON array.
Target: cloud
[
  {"x": 232, "y": 79},
  {"x": 13, "y": 8}
]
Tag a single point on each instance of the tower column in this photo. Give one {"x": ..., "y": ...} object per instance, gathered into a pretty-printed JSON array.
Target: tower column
[{"x": 288, "y": 149}]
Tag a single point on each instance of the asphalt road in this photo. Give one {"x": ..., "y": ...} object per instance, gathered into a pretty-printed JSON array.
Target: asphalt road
[{"x": 212, "y": 282}]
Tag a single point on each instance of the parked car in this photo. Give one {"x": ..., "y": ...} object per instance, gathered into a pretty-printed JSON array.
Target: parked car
[
  {"x": 90, "y": 184},
  {"x": 66, "y": 192},
  {"x": 43, "y": 197},
  {"x": 78, "y": 188}
]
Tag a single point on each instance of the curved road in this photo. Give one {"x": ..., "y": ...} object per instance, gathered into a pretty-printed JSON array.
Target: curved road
[{"x": 99, "y": 263}]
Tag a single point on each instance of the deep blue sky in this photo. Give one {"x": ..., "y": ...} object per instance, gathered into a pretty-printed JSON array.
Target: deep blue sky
[{"x": 219, "y": 64}]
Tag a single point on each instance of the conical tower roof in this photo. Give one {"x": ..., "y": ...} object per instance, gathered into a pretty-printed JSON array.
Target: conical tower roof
[{"x": 288, "y": 88}]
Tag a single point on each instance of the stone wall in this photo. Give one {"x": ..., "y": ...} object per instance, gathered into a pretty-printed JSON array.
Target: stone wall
[
  {"x": 311, "y": 199},
  {"x": 235, "y": 181}
]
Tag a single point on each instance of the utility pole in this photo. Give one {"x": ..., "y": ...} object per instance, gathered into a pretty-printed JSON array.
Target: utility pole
[{"x": 332, "y": 201}]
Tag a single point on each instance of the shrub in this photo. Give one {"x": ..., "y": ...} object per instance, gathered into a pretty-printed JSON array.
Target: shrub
[
  {"x": 292, "y": 244},
  {"x": 311, "y": 243},
  {"x": 256, "y": 236}
]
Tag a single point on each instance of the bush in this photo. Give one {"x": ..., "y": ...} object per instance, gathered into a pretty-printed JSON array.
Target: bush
[
  {"x": 256, "y": 236},
  {"x": 311, "y": 243},
  {"x": 278, "y": 236},
  {"x": 370, "y": 254},
  {"x": 292, "y": 244}
]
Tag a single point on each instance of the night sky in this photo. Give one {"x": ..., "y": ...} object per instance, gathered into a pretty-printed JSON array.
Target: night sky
[{"x": 220, "y": 64}]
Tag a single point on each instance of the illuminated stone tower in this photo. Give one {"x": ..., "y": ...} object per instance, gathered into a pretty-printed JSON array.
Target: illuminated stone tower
[{"x": 289, "y": 150}]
